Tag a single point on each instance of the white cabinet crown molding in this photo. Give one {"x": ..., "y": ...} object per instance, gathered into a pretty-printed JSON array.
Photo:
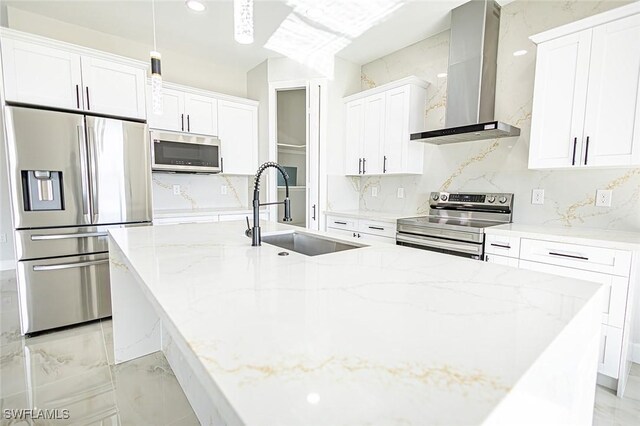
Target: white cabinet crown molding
[
  {"x": 385, "y": 87},
  {"x": 586, "y": 23},
  {"x": 73, "y": 48},
  {"x": 208, "y": 93}
]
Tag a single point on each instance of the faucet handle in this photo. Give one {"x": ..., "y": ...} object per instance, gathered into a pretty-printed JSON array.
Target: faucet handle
[{"x": 248, "y": 232}]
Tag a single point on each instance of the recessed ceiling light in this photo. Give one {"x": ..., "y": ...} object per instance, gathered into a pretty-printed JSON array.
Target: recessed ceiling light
[
  {"x": 195, "y": 5},
  {"x": 519, "y": 52},
  {"x": 442, "y": 75},
  {"x": 314, "y": 12}
]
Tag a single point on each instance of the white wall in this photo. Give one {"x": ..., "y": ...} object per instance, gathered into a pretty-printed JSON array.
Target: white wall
[{"x": 201, "y": 72}]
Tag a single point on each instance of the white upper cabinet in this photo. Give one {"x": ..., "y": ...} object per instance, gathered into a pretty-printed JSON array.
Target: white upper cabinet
[
  {"x": 172, "y": 117},
  {"x": 378, "y": 125},
  {"x": 201, "y": 114},
  {"x": 40, "y": 71},
  {"x": 354, "y": 114},
  {"x": 41, "y": 75},
  {"x": 586, "y": 105},
  {"x": 612, "y": 120},
  {"x": 184, "y": 111},
  {"x": 238, "y": 132},
  {"x": 113, "y": 88}
]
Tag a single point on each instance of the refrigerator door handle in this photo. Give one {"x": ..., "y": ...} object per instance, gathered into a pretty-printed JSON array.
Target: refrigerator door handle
[
  {"x": 68, "y": 236},
  {"x": 85, "y": 173},
  {"x": 93, "y": 164},
  {"x": 59, "y": 266}
]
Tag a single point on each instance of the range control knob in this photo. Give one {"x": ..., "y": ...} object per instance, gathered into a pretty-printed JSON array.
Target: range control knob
[
  {"x": 435, "y": 197},
  {"x": 502, "y": 199},
  {"x": 491, "y": 199},
  {"x": 444, "y": 197}
]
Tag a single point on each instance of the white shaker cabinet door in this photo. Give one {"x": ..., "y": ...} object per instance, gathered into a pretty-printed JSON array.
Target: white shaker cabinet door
[
  {"x": 41, "y": 75},
  {"x": 354, "y": 113},
  {"x": 396, "y": 130},
  {"x": 562, "y": 72},
  {"x": 612, "y": 123},
  {"x": 238, "y": 137},
  {"x": 113, "y": 88},
  {"x": 201, "y": 114},
  {"x": 172, "y": 117},
  {"x": 373, "y": 134}
]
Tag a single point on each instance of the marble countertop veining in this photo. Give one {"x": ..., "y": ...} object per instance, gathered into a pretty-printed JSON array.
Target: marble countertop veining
[
  {"x": 381, "y": 334},
  {"x": 607, "y": 238}
]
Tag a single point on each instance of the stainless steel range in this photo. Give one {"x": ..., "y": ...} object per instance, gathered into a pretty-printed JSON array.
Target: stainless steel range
[{"x": 456, "y": 222}]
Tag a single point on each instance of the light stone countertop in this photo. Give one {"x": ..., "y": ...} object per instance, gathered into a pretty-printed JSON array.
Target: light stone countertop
[
  {"x": 372, "y": 215},
  {"x": 381, "y": 334},
  {"x": 606, "y": 238}
]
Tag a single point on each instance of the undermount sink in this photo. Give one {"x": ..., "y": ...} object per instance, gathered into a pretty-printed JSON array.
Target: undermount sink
[{"x": 310, "y": 245}]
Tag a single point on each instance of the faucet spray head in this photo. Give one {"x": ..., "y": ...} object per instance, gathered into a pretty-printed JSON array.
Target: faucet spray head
[{"x": 287, "y": 210}]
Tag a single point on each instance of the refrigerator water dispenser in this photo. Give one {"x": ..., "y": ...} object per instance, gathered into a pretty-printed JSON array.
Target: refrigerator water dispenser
[{"x": 42, "y": 190}]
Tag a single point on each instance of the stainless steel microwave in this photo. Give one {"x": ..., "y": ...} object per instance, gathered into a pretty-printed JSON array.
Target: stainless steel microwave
[{"x": 184, "y": 152}]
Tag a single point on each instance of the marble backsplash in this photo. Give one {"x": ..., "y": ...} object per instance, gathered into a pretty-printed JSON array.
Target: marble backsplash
[
  {"x": 500, "y": 164},
  {"x": 199, "y": 191}
]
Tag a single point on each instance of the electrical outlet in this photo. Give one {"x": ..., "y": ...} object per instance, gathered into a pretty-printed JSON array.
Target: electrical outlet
[
  {"x": 374, "y": 191},
  {"x": 176, "y": 189},
  {"x": 400, "y": 192},
  {"x": 603, "y": 198},
  {"x": 537, "y": 196},
  {"x": 223, "y": 189},
  {"x": 3, "y": 238}
]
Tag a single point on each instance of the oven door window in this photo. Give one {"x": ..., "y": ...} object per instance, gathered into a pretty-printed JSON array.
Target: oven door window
[{"x": 185, "y": 154}]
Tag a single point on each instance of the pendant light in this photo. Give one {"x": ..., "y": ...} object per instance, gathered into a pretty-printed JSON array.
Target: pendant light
[
  {"x": 243, "y": 21},
  {"x": 156, "y": 74}
]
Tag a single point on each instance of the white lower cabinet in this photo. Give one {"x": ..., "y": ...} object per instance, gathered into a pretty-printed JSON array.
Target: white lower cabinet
[
  {"x": 362, "y": 229},
  {"x": 501, "y": 260},
  {"x": 609, "y": 267}
]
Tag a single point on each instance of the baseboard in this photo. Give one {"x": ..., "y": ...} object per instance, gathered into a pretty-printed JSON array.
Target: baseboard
[
  {"x": 635, "y": 354},
  {"x": 6, "y": 265}
]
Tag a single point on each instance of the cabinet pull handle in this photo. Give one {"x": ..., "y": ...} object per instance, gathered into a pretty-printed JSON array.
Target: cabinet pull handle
[
  {"x": 604, "y": 349},
  {"x": 575, "y": 143},
  {"x": 501, "y": 245},
  {"x": 379, "y": 228},
  {"x": 221, "y": 164},
  {"x": 182, "y": 122},
  {"x": 384, "y": 164},
  {"x": 586, "y": 152},
  {"x": 358, "y": 235},
  {"x": 364, "y": 166},
  {"x": 314, "y": 212},
  {"x": 88, "y": 104},
  {"x": 354, "y": 234},
  {"x": 359, "y": 168},
  {"x": 572, "y": 256},
  {"x": 339, "y": 223},
  {"x": 78, "y": 96},
  {"x": 188, "y": 123}
]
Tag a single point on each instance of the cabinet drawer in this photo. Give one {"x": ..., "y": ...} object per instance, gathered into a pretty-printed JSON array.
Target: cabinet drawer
[
  {"x": 502, "y": 245},
  {"x": 610, "y": 351},
  {"x": 615, "y": 301},
  {"x": 342, "y": 223},
  {"x": 576, "y": 256},
  {"x": 374, "y": 227}
]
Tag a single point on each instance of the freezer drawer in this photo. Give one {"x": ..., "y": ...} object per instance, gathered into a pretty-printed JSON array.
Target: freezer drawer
[{"x": 63, "y": 291}]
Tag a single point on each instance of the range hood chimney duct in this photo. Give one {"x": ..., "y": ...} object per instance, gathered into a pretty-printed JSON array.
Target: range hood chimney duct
[{"x": 471, "y": 77}]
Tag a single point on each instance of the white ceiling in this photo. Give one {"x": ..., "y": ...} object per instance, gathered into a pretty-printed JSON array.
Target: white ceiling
[{"x": 211, "y": 32}]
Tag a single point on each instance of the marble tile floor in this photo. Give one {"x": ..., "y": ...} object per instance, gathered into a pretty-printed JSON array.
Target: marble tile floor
[{"x": 73, "y": 369}]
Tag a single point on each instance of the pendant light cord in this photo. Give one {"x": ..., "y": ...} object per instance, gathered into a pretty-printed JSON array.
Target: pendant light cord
[{"x": 153, "y": 14}]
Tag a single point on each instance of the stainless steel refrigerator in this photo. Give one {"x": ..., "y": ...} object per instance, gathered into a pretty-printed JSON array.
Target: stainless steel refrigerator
[{"x": 72, "y": 178}]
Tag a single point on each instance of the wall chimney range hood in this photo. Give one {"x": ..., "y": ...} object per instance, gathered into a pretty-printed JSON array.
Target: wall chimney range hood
[{"x": 471, "y": 78}]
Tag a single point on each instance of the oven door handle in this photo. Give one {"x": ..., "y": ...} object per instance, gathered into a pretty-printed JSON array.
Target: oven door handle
[{"x": 441, "y": 244}]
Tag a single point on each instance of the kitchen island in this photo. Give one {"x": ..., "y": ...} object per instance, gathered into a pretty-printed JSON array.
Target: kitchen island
[{"x": 376, "y": 335}]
